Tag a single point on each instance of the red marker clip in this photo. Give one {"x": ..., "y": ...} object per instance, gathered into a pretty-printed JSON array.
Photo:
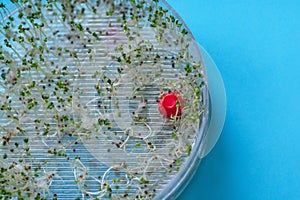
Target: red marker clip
[{"x": 170, "y": 105}]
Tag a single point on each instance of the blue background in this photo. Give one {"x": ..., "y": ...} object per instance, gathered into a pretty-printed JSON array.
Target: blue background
[{"x": 256, "y": 46}]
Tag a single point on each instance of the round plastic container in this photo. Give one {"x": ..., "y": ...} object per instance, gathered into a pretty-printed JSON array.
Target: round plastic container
[{"x": 103, "y": 100}]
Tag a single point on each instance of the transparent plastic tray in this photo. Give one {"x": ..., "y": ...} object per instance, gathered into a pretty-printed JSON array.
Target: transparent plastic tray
[{"x": 79, "y": 92}]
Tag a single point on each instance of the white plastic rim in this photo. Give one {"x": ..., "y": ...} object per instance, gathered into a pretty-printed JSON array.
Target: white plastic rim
[
  {"x": 217, "y": 103},
  {"x": 214, "y": 127}
]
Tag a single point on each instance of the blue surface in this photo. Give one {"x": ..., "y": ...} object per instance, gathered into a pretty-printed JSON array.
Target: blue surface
[{"x": 256, "y": 45}]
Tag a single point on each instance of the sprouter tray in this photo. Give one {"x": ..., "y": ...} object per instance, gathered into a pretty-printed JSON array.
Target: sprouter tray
[{"x": 79, "y": 90}]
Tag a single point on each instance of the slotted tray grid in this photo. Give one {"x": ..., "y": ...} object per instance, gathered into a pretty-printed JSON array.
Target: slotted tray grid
[{"x": 80, "y": 84}]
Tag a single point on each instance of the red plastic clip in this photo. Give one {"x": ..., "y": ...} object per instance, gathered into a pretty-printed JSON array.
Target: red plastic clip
[{"x": 170, "y": 105}]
